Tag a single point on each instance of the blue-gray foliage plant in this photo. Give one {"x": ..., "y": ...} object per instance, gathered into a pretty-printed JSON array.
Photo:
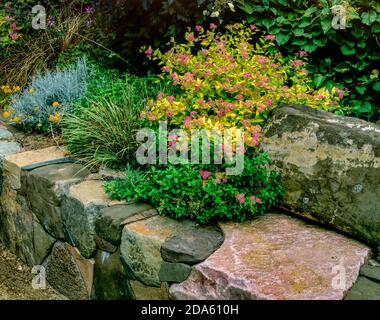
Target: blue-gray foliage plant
[{"x": 34, "y": 105}]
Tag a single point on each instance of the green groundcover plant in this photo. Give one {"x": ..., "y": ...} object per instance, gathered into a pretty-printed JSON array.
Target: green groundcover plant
[{"x": 191, "y": 191}]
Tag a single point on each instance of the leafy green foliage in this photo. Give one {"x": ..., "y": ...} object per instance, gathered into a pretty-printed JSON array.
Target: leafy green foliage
[
  {"x": 348, "y": 58},
  {"x": 180, "y": 191}
]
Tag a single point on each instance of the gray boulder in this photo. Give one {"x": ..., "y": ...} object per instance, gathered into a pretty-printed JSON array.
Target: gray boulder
[{"x": 330, "y": 167}]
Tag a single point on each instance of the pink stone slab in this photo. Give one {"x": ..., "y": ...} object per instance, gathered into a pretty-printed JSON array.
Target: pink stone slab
[{"x": 276, "y": 257}]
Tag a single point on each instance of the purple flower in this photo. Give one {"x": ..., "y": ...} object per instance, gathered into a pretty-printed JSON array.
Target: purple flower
[
  {"x": 90, "y": 23},
  {"x": 51, "y": 22},
  {"x": 89, "y": 9},
  {"x": 198, "y": 28},
  {"x": 253, "y": 27}
]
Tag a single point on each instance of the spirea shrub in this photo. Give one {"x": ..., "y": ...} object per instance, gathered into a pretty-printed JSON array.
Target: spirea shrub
[
  {"x": 230, "y": 80},
  {"x": 48, "y": 97}
]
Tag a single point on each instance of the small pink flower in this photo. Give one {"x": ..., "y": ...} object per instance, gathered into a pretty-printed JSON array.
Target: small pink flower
[
  {"x": 255, "y": 200},
  {"x": 13, "y": 26},
  {"x": 248, "y": 76},
  {"x": 8, "y": 18},
  {"x": 239, "y": 97},
  {"x": 269, "y": 102},
  {"x": 171, "y": 143},
  {"x": 187, "y": 122},
  {"x": 172, "y": 138},
  {"x": 297, "y": 63},
  {"x": 204, "y": 52},
  {"x": 13, "y": 35},
  {"x": 198, "y": 28},
  {"x": 225, "y": 180},
  {"x": 340, "y": 93},
  {"x": 302, "y": 53},
  {"x": 160, "y": 95},
  {"x": 255, "y": 139},
  {"x": 193, "y": 113},
  {"x": 191, "y": 37},
  {"x": 213, "y": 26},
  {"x": 170, "y": 113},
  {"x": 149, "y": 52},
  {"x": 170, "y": 99},
  {"x": 166, "y": 69},
  {"x": 253, "y": 27},
  {"x": 240, "y": 197},
  {"x": 270, "y": 37},
  {"x": 204, "y": 174}
]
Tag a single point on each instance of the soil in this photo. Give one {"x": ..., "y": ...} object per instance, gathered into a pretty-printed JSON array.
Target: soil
[
  {"x": 16, "y": 281},
  {"x": 32, "y": 141}
]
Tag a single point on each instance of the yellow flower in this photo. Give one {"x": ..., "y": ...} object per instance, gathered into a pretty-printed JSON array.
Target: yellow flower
[
  {"x": 6, "y": 114},
  {"x": 31, "y": 90},
  {"x": 56, "y": 104},
  {"x": 16, "y": 88},
  {"x": 55, "y": 118},
  {"x": 17, "y": 119}
]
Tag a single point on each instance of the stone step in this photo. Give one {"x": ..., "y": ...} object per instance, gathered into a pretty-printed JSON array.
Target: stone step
[{"x": 276, "y": 257}]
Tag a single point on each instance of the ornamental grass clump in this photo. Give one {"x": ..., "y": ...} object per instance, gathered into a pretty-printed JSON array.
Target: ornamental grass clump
[{"x": 48, "y": 97}]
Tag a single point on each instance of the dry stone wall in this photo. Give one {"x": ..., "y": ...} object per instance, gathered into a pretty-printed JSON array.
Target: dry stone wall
[{"x": 54, "y": 213}]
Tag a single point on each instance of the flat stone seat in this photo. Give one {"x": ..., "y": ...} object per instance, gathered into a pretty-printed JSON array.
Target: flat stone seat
[
  {"x": 14, "y": 163},
  {"x": 276, "y": 257}
]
